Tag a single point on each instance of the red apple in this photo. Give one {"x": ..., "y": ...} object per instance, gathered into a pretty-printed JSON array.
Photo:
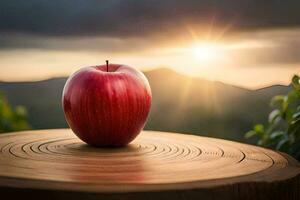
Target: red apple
[{"x": 107, "y": 105}]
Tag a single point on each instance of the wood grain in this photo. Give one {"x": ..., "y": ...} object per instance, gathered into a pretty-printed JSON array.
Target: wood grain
[{"x": 55, "y": 163}]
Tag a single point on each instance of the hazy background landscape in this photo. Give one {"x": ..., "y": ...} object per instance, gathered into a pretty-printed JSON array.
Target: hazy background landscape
[
  {"x": 180, "y": 104},
  {"x": 213, "y": 66}
]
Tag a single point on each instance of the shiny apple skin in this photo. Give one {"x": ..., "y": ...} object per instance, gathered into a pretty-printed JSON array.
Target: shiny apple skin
[{"x": 107, "y": 108}]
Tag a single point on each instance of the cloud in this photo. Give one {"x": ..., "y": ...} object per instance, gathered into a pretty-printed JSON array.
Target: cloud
[
  {"x": 137, "y": 18},
  {"x": 78, "y": 43},
  {"x": 246, "y": 49},
  {"x": 273, "y": 47},
  {"x": 131, "y": 26}
]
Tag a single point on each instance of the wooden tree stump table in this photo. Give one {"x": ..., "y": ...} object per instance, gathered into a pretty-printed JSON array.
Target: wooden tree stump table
[{"x": 55, "y": 164}]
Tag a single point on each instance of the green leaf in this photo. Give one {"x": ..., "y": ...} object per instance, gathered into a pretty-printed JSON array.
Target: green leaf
[
  {"x": 277, "y": 100},
  {"x": 294, "y": 127},
  {"x": 293, "y": 95},
  {"x": 277, "y": 134},
  {"x": 259, "y": 129},
  {"x": 275, "y": 138},
  {"x": 274, "y": 116},
  {"x": 289, "y": 115},
  {"x": 250, "y": 134},
  {"x": 285, "y": 104},
  {"x": 283, "y": 145},
  {"x": 298, "y": 109},
  {"x": 21, "y": 111},
  {"x": 295, "y": 81},
  {"x": 296, "y": 115}
]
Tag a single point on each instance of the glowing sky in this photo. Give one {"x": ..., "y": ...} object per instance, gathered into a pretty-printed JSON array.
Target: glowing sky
[{"x": 249, "y": 48}]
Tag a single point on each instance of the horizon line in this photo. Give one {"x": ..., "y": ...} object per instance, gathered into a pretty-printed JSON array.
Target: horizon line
[{"x": 33, "y": 80}]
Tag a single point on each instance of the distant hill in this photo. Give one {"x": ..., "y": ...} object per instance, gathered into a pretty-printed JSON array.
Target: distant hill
[{"x": 180, "y": 104}]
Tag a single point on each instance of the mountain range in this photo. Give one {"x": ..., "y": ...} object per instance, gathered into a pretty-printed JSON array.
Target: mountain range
[{"x": 180, "y": 104}]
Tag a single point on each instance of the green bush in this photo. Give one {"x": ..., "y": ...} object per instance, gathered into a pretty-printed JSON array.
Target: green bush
[
  {"x": 283, "y": 129},
  {"x": 12, "y": 119}
]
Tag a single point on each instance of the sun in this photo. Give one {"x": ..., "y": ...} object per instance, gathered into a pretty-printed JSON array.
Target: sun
[{"x": 206, "y": 52}]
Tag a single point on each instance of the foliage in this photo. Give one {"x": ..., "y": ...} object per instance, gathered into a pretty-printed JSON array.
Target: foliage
[
  {"x": 12, "y": 119},
  {"x": 283, "y": 129}
]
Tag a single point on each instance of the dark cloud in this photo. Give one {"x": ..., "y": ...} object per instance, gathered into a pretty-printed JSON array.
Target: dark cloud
[
  {"x": 133, "y": 18},
  {"x": 81, "y": 43},
  {"x": 276, "y": 47}
]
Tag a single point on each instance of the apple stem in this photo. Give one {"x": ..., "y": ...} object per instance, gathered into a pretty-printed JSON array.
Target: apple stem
[{"x": 107, "y": 65}]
